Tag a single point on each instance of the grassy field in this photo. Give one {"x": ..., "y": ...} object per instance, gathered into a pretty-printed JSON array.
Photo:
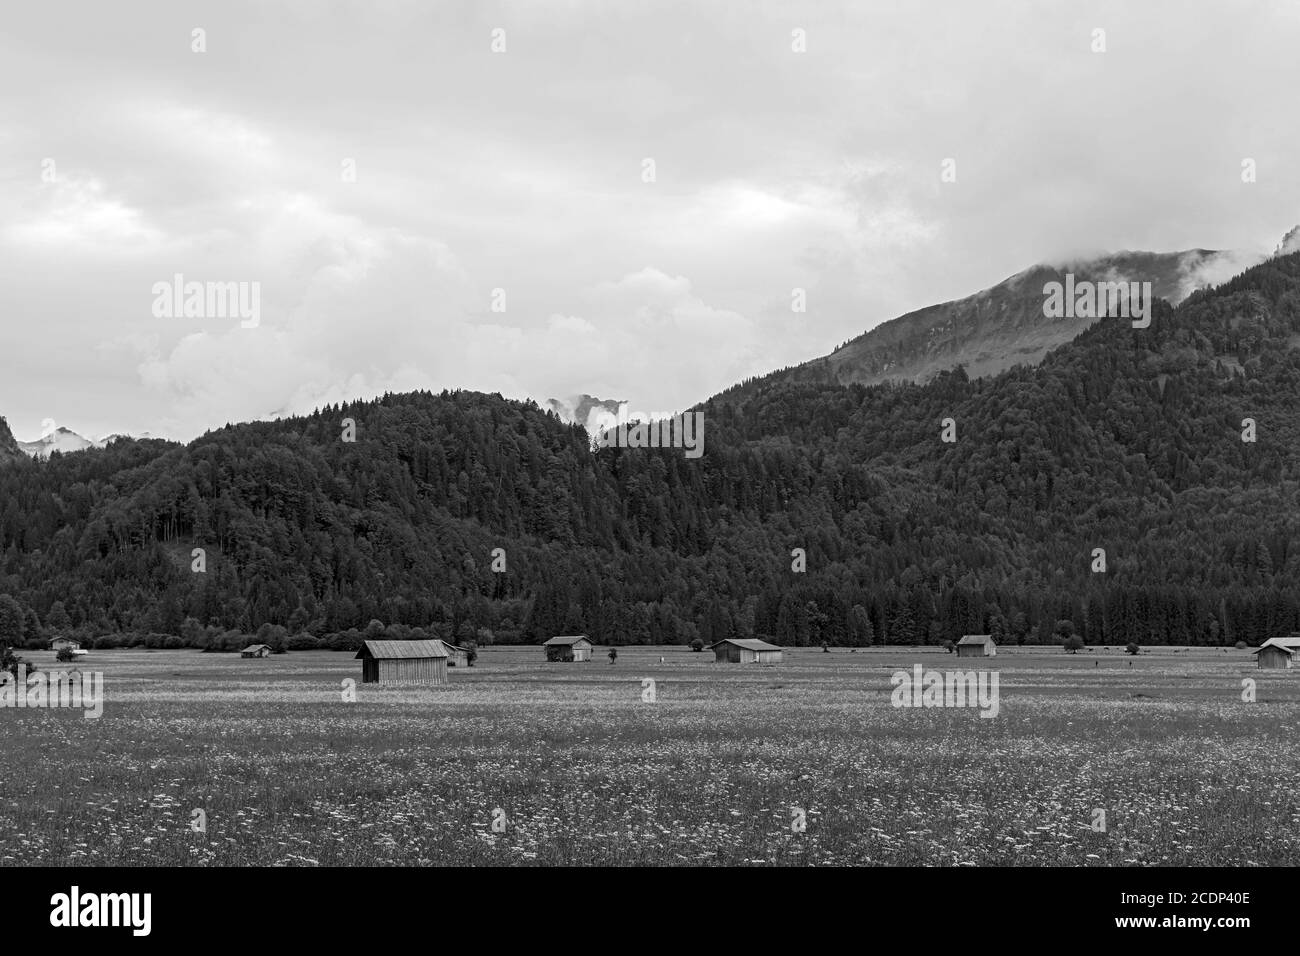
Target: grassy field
[{"x": 585, "y": 772}]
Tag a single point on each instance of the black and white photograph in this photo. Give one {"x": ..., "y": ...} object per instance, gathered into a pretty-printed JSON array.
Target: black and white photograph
[{"x": 624, "y": 435}]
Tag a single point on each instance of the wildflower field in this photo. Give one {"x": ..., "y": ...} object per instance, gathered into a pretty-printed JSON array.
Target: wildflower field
[{"x": 518, "y": 761}]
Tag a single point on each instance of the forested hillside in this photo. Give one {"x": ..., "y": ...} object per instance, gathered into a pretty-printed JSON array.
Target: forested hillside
[{"x": 1127, "y": 440}]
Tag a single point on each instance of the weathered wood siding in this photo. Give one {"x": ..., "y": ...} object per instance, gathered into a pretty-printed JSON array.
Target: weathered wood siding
[
  {"x": 1274, "y": 658},
  {"x": 417, "y": 670}
]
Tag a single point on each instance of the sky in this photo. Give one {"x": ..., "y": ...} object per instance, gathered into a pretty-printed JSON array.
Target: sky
[{"x": 552, "y": 197}]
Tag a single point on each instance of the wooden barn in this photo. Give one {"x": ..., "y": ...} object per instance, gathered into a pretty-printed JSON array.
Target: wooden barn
[
  {"x": 736, "y": 650},
  {"x": 59, "y": 643},
  {"x": 456, "y": 656},
  {"x": 575, "y": 647},
  {"x": 977, "y": 645},
  {"x": 1278, "y": 652},
  {"x": 256, "y": 650},
  {"x": 403, "y": 662}
]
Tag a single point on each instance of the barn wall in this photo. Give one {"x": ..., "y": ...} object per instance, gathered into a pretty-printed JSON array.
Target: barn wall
[
  {"x": 1274, "y": 660},
  {"x": 419, "y": 670}
]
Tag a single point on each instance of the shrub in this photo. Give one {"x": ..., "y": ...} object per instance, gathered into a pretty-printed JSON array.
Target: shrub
[
  {"x": 9, "y": 662},
  {"x": 64, "y": 655},
  {"x": 697, "y": 645},
  {"x": 1240, "y": 645},
  {"x": 1074, "y": 643},
  {"x": 949, "y": 647},
  {"x": 349, "y": 640},
  {"x": 303, "y": 642},
  {"x": 1133, "y": 649}
]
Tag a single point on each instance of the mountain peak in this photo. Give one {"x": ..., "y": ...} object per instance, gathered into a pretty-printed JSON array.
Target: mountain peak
[
  {"x": 1290, "y": 243},
  {"x": 581, "y": 409},
  {"x": 1004, "y": 325},
  {"x": 57, "y": 439},
  {"x": 9, "y": 450}
]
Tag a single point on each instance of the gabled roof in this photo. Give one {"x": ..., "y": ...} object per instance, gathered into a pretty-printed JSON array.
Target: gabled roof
[
  {"x": 450, "y": 646},
  {"x": 1288, "y": 645},
  {"x": 401, "y": 650},
  {"x": 976, "y": 639},
  {"x": 1291, "y": 640},
  {"x": 566, "y": 640},
  {"x": 255, "y": 647},
  {"x": 748, "y": 643}
]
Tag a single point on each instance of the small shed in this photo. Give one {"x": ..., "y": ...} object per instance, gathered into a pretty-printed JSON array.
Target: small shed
[
  {"x": 736, "y": 650},
  {"x": 59, "y": 643},
  {"x": 456, "y": 656},
  {"x": 1277, "y": 653},
  {"x": 403, "y": 662},
  {"x": 256, "y": 650},
  {"x": 977, "y": 645},
  {"x": 574, "y": 647}
]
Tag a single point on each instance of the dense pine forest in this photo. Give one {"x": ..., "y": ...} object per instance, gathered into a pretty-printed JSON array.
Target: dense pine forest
[{"x": 1124, "y": 446}]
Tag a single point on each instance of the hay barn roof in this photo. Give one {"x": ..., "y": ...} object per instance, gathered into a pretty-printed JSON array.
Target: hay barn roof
[
  {"x": 256, "y": 647},
  {"x": 567, "y": 639},
  {"x": 1289, "y": 645},
  {"x": 748, "y": 643},
  {"x": 976, "y": 639},
  {"x": 401, "y": 650}
]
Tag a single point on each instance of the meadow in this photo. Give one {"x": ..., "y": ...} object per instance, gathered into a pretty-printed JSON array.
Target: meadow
[{"x": 722, "y": 768}]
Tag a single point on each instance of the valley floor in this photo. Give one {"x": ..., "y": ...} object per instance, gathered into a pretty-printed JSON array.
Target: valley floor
[{"x": 574, "y": 767}]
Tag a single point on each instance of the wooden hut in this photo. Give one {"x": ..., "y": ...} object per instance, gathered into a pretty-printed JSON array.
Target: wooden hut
[
  {"x": 456, "y": 656},
  {"x": 735, "y": 650},
  {"x": 256, "y": 650},
  {"x": 575, "y": 647},
  {"x": 977, "y": 645},
  {"x": 403, "y": 662},
  {"x": 59, "y": 643},
  {"x": 1278, "y": 652}
]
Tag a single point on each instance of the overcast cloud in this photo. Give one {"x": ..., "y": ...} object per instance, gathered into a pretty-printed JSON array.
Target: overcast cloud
[{"x": 522, "y": 171}]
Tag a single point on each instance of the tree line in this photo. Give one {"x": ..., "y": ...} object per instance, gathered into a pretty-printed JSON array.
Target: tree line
[{"x": 473, "y": 518}]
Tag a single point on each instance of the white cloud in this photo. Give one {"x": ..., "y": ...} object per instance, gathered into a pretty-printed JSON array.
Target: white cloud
[{"x": 522, "y": 171}]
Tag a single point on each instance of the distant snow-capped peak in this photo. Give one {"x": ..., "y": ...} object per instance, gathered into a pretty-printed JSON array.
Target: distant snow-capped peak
[{"x": 65, "y": 440}]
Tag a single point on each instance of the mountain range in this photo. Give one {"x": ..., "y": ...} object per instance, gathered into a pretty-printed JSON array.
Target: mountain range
[
  {"x": 58, "y": 439},
  {"x": 990, "y": 331},
  {"x": 1131, "y": 485}
]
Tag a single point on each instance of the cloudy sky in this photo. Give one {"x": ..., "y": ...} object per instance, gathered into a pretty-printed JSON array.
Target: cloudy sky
[{"x": 126, "y": 157}]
